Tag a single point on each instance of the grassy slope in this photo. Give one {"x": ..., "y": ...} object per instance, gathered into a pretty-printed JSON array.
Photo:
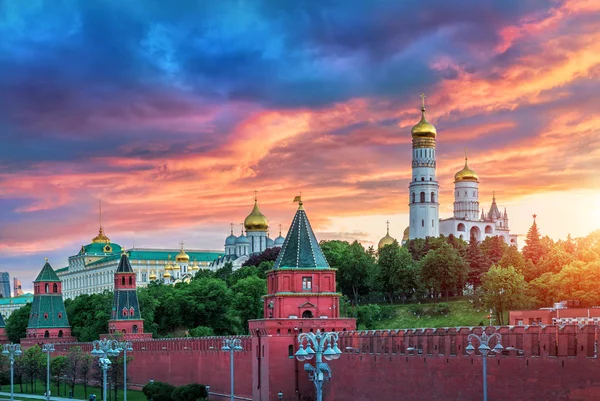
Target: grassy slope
[
  {"x": 461, "y": 313},
  {"x": 132, "y": 395}
]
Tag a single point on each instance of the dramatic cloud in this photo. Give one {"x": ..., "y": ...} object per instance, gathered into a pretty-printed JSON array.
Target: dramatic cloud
[{"x": 172, "y": 113}]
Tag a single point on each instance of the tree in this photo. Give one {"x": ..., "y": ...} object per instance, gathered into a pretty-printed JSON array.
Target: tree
[
  {"x": 16, "y": 324},
  {"x": 34, "y": 361},
  {"x": 85, "y": 370},
  {"x": 158, "y": 391},
  {"x": 479, "y": 264},
  {"x": 335, "y": 252},
  {"x": 493, "y": 248},
  {"x": 89, "y": 315},
  {"x": 202, "y": 331},
  {"x": 74, "y": 360},
  {"x": 512, "y": 257},
  {"x": 268, "y": 255},
  {"x": 58, "y": 366},
  {"x": 503, "y": 289},
  {"x": 395, "y": 271},
  {"x": 444, "y": 270},
  {"x": 247, "y": 300},
  {"x": 353, "y": 271},
  {"x": 535, "y": 248},
  {"x": 224, "y": 272}
]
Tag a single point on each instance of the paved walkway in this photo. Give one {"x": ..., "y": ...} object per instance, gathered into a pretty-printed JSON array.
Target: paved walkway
[{"x": 6, "y": 397}]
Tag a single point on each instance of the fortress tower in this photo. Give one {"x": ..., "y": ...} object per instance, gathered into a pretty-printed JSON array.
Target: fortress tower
[
  {"x": 48, "y": 319},
  {"x": 301, "y": 297}
]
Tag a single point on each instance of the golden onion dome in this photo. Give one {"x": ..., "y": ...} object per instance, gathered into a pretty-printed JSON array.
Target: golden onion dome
[
  {"x": 152, "y": 276},
  {"x": 168, "y": 265},
  {"x": 387, "y": 240},
  {"x": 167, "y": 275},
  {"x": 195, "y": 266},
  {"x": 406, "y": 235},
  {"x": 256, "y": 221},
  {"x": 182, "y": 256},
  {"x": 176, "y": 267},
  {"x": 466, "y": 174},
  {"x": 423, "y": 129}
]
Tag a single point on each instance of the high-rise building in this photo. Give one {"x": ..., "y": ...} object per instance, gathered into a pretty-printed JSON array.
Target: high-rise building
[
  {"x": 4, "y": 285},
  {"x": 17, "y": 288}
]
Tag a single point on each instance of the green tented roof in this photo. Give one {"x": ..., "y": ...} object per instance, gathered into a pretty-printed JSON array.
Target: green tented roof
[
  {"x": 52, "y": 305},
  {"x": 21, "y": 300},
  {"x": 124, "y": 265},
  {"x": 47, "y": 274},
  {"x": 125, "y": 299},
  {"x": 301, "y": 248}
]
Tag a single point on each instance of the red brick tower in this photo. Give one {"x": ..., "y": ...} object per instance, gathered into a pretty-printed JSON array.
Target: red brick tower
[
  {"x": 126, "y": 321},
  {"x": 48, "y": 320},
  {"x": 301, "y": 297}
]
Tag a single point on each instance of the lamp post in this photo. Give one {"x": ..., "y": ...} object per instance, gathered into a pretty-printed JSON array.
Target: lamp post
[
  {"x": 103, "y": 349},
  {"x": 48, "y": 349},
  {"x": 484, "y": 350},
  {"x": 125, "y": 346},
  {"x": 12, "y": 350},
  {"x": 231, "y": 345},
  {"x": 323, "y": 345}
]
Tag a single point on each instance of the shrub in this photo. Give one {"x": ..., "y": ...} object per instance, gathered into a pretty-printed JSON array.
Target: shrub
[
  {"x": 202, "y": 331},
  {"x": 368, "y": 315},
  {"x": 158, "y": 391},
  {"x": 190, "y": 392},
  {"x": 440, "y": 309}
]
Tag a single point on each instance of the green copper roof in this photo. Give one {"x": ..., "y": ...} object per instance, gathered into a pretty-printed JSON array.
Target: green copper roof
[
  {"x": 124, "y": 265},
  {"x": 47, "y": 274},
  {"x": 20, "y": 300},
  {"x": 48, "y": 311},
  {"x": 100, "y": 248},
  {"x": 160, "y": 254},
  {"x": 125, "y": 299},
  {"x": 301, "y": 248}
]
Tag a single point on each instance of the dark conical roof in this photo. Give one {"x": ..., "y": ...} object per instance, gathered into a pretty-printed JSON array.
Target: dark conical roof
[
  {"x": 47, "y": 274},
  {"x": 301, "y": 248},
  {"x": 124, "y": 265}
]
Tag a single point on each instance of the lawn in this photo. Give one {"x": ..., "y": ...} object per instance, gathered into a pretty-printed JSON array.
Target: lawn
[
  {"x": 461, "y": 313},
  {"x": 132, "y": 395}
]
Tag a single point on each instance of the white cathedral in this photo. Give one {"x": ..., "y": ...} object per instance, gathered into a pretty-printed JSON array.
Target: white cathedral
[{"x": 424, "y": 203}]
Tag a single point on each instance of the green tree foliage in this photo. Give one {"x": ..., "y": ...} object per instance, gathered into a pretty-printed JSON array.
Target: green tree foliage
[
  {"x": 335, "y": 252},
  {"x": 479, "y": 264},
  {"x": 354, "y": 271},
  {"x": 202, "y": 331},
  {"x": 34, "y": 362},
  {"x": 504, "y": 289},
  {"x": 247, "y": 300},
  {"x": 74, "y": 362},
  {"x": 190, "y": 392},
  {"x": 224, "y": 272},
  {"x": 444, "y": 270},
  {"x": 268, "y": 255},
  {"x": 89, "y": 315},
  {"x": 535, "y": 247},
  {"x": 58, "y": 366},
  {"x": 244, "y": 272},
  {"x": 578, "y": 280},
  {"x": 512, "y": 257},
  {"x": 16, "y": 324},
  {"x": 395, "y": 272},
  {"x": 85, "y": 370},
  {"x": 493, "y": 248},
  {"x": 158, "y": 391}
]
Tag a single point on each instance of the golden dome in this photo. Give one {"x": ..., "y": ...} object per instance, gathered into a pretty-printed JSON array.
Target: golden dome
[
  {"x": 423, "y": 129},
  {"x": 406, "y": 235},
  {"x": 182, "y": 256},
  {"x": 152, "y": 276},
  {"x": 168, "y": 265},
  {"x": 101, "y": 237},
  {"x": 387, "y": 240},
  {"x": 176, "y": 267},
  {"x": 256, "y": 221},
  {"x": 466, "y": 174},
  {"x": 167, "y": 275},
  {"x": 195, "y": 266}
]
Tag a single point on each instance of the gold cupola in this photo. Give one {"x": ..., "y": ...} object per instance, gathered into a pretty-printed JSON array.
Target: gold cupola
[
  {"x": 168, "y": 265},
  {"x": 406, "y": 235},
  {"x": 152, "y": 276},
  {"x": 256, "y": 221},
  {"x": 423, "y": 129},
  {"x": 182, "y": 256},
  {"x": 466, "y": 174},
  {"x": 101, "y": 237},
  {"x": 167, "y": 275},
  {"x": 387, "y": 240}
]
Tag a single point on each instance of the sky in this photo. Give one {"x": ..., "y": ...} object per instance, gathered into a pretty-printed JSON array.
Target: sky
[{"x": 174, "y": 113}]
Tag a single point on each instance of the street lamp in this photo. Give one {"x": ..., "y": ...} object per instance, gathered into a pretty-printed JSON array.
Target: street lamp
[
  {"x": 231, "y": 345},
  {"x": 323, "y": 345},
  {"x": 48, "y": 349},
  {"x": 103, "y": 349},
  {"x": 125, "y": 346},
  {"x": 12, "y": 350},
  {"x": 484, "y": 350}
]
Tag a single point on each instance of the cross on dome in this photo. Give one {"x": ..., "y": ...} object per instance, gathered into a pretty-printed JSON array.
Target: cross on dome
[{"x": 422, "y": 95}]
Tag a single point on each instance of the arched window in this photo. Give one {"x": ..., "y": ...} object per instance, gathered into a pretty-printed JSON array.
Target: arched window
[
  {"x": 47, "y": 288},
  {"x": 461, "y": 227},
  {"x": 131, "y": 311},
  {"x": 413, "y": 197},
  {"x": 488, "y": 229},
  {"x": 422, "y": 197},
  {"x": 422, "y": 223},
  {"x": 307, "y": 314},
  {"x": 500, "y": 224},
  {"x": 122, "y": 280},
  {"x": 124, "y": 331},
  {"x": 124, "y": 312},
  {"x": 55, "y": 288},
  {"x": 422, "y": 178},
  {"x": 134, "y": 329},
  {"x": 432, "y": 197},
  {"x": 45, "y": 316},
  {"x": 60, "y": 333},
  {"x": 432, "y": 224},
  {"x": 430, "y": 179},
  {"x": 59, "y": 315},
  {"x": 46, "y": 334},
  {"x": 290, "y": 351},
  {"x": 130, "y": 280}
]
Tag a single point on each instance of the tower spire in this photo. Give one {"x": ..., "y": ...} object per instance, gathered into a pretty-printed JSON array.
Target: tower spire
[
  {"x": 387, "y": 223},
  {"x": 231, "y": 224},
  {"x": 255, "y": 196},
  {"x": 100, "y": 207},
  {"x": 280, "y": 229}
]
